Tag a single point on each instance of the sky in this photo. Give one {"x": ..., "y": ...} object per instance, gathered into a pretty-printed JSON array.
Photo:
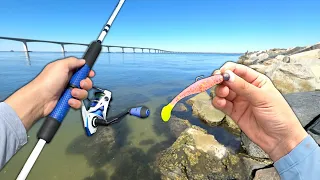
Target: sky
[{"x": 175, "y": 25}]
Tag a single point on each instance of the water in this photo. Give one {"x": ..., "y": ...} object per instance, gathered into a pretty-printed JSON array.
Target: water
[{"x": 126, "y": 150}]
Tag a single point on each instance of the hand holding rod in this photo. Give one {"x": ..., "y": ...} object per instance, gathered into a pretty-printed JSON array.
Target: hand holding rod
[{"x": 54, "y": 120}]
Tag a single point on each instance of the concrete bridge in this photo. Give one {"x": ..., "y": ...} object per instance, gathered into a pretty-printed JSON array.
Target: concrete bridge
[{"x": 62, "y": 44}]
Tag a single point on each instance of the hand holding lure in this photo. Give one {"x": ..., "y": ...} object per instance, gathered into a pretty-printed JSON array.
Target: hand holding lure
[{"x": 197, "y": 87}]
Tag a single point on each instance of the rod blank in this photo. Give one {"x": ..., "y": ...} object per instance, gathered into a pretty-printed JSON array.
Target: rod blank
[{"x": 110, "y": 21}]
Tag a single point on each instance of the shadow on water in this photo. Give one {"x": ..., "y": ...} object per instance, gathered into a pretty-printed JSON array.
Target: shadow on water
[
  {"x": 132, "y": 163},
  {"x": 98, "y": 175}
]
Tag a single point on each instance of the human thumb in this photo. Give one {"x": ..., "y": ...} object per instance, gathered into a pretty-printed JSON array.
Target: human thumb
[
  {"x": 74, "y": 63},
  {"x": 242, "y": 87}
]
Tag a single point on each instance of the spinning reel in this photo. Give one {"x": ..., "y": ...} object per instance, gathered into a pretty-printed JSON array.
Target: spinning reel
[{"x": 96, "y": 115}]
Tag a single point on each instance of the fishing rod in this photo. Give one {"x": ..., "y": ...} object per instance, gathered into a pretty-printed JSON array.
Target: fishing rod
[{"x": 54, "y": 120}]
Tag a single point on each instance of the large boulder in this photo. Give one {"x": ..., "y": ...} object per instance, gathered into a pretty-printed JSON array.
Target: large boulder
[
  {"x": 197, "y": 155},
  {"x": 206, "y": 112},
  {"x": 267, "y": 174},
  {"x": 252, "y": 149},
  {"x": 202, "y": 108},
  {"x": 307, "y": 55},
  {"x": 289, "y": 78},
  {"x": 305, "y": 105}
]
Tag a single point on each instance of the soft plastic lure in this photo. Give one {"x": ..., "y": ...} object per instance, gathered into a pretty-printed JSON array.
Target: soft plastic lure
[{"x": 197, "y": 87}]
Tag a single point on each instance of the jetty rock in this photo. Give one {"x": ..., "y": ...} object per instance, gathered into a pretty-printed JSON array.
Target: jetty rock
[
  {"x": 291, "y": 70},
  {"x": 199, "y": 156}
]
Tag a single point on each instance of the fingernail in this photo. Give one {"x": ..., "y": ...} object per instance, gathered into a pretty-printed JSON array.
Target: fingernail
[
  {"x": 75, "y": 93},
  {"x": 231, "y": 75},
  {"x": 71, "y": 103},
  {"x": 84, "y": 83},
  {"x": 216, "y": 72}
]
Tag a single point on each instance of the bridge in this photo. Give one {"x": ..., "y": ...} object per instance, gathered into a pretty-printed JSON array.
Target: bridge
[{"x": 62, "y": 44}]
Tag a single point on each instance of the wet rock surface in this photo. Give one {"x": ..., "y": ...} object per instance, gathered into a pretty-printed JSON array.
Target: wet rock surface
[
  {"x": 251, "y": 148},
  {"x": 198, "y": 155},
  {"x": 267, "y": 174},
  {"x": 177, "y": 125},
  {"x": 180, "y": 107}
]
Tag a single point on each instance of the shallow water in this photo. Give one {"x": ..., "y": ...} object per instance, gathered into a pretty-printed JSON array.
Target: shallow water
[{"x": 133, "y": 79}]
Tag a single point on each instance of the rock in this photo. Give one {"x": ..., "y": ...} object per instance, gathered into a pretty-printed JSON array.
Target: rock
[
  {"x": 252, "y": 149},
  {"x": 305, "y": 105},
  {"x": 250, "y": 165},
  {"x": 180, "y": 107},
  {"x": 255, "y": 58},
  {"x": 197, "y": 155},
  {"x": 313, "y": 54},
  {"x": 267, "y": 174},
  {"x": 259, "y": 67},
  {"x": 232, "y": 125},
  {"x": 283, "y": 58},
  {"x": 289, "y": 78},
  {"x": 194, "y": 155},
  {"x": 316, "y": 71},
  {"x": 202, "y": 108},
  {"x": 294, "y": 50},
  {"x": 200, "y": 96},
  {"x": 309, "y": 48},
  {"x": 206, "y": 112},
  {"x": 274, "y": 52},
  {"x": 177, "y": 125}
]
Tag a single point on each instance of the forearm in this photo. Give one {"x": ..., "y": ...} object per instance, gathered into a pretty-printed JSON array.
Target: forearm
[
  {"x": 12, "y": 133},
  {"x": 303, "y": 162},
  {"x": 28, "y": 102}
]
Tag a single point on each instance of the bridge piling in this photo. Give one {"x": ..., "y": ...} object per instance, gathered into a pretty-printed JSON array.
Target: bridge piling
[
  {"x": 134, "y": 50},
  {"x": 26, "y": 50},
  {"x": 63, "y": 51},
  {"x": 122, "y": 50},
  {"x": 108, "y": 49}
]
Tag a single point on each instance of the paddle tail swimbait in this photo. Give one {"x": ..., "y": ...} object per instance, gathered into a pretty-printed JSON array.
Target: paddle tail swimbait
[{"x": 197, "y": 87}]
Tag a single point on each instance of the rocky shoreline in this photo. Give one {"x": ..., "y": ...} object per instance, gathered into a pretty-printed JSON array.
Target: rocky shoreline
[{"x": 198, "y": 155}]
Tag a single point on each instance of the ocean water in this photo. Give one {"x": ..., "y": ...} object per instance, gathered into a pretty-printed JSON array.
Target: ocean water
[{"x": 126, "y": 150}]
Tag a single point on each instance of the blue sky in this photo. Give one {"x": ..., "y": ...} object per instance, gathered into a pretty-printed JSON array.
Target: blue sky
[{"x": 177, "y": 25}]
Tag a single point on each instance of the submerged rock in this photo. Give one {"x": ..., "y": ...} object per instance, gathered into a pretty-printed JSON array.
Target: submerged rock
[
  {"x": 202, "y": 108},
  {"x": 252, "y": 149},
  {"x": 177, "y": 125},
  {"x": 267, "y": 174},
  {"x": 199, "y": 156},
  {"x": 180, "y": 107},
  {"x": 206, "y": 112},
  {"x": 200, "y": 96}
]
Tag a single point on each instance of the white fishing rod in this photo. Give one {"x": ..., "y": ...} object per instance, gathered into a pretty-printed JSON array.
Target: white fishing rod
[{"x": 54, "y": 120}]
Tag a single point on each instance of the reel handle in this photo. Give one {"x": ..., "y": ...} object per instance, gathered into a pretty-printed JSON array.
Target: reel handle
[{"x": 141, "y": 112}]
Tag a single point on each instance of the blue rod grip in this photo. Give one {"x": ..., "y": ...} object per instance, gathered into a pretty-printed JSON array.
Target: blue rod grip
[{"x": 53, "y": 121}]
